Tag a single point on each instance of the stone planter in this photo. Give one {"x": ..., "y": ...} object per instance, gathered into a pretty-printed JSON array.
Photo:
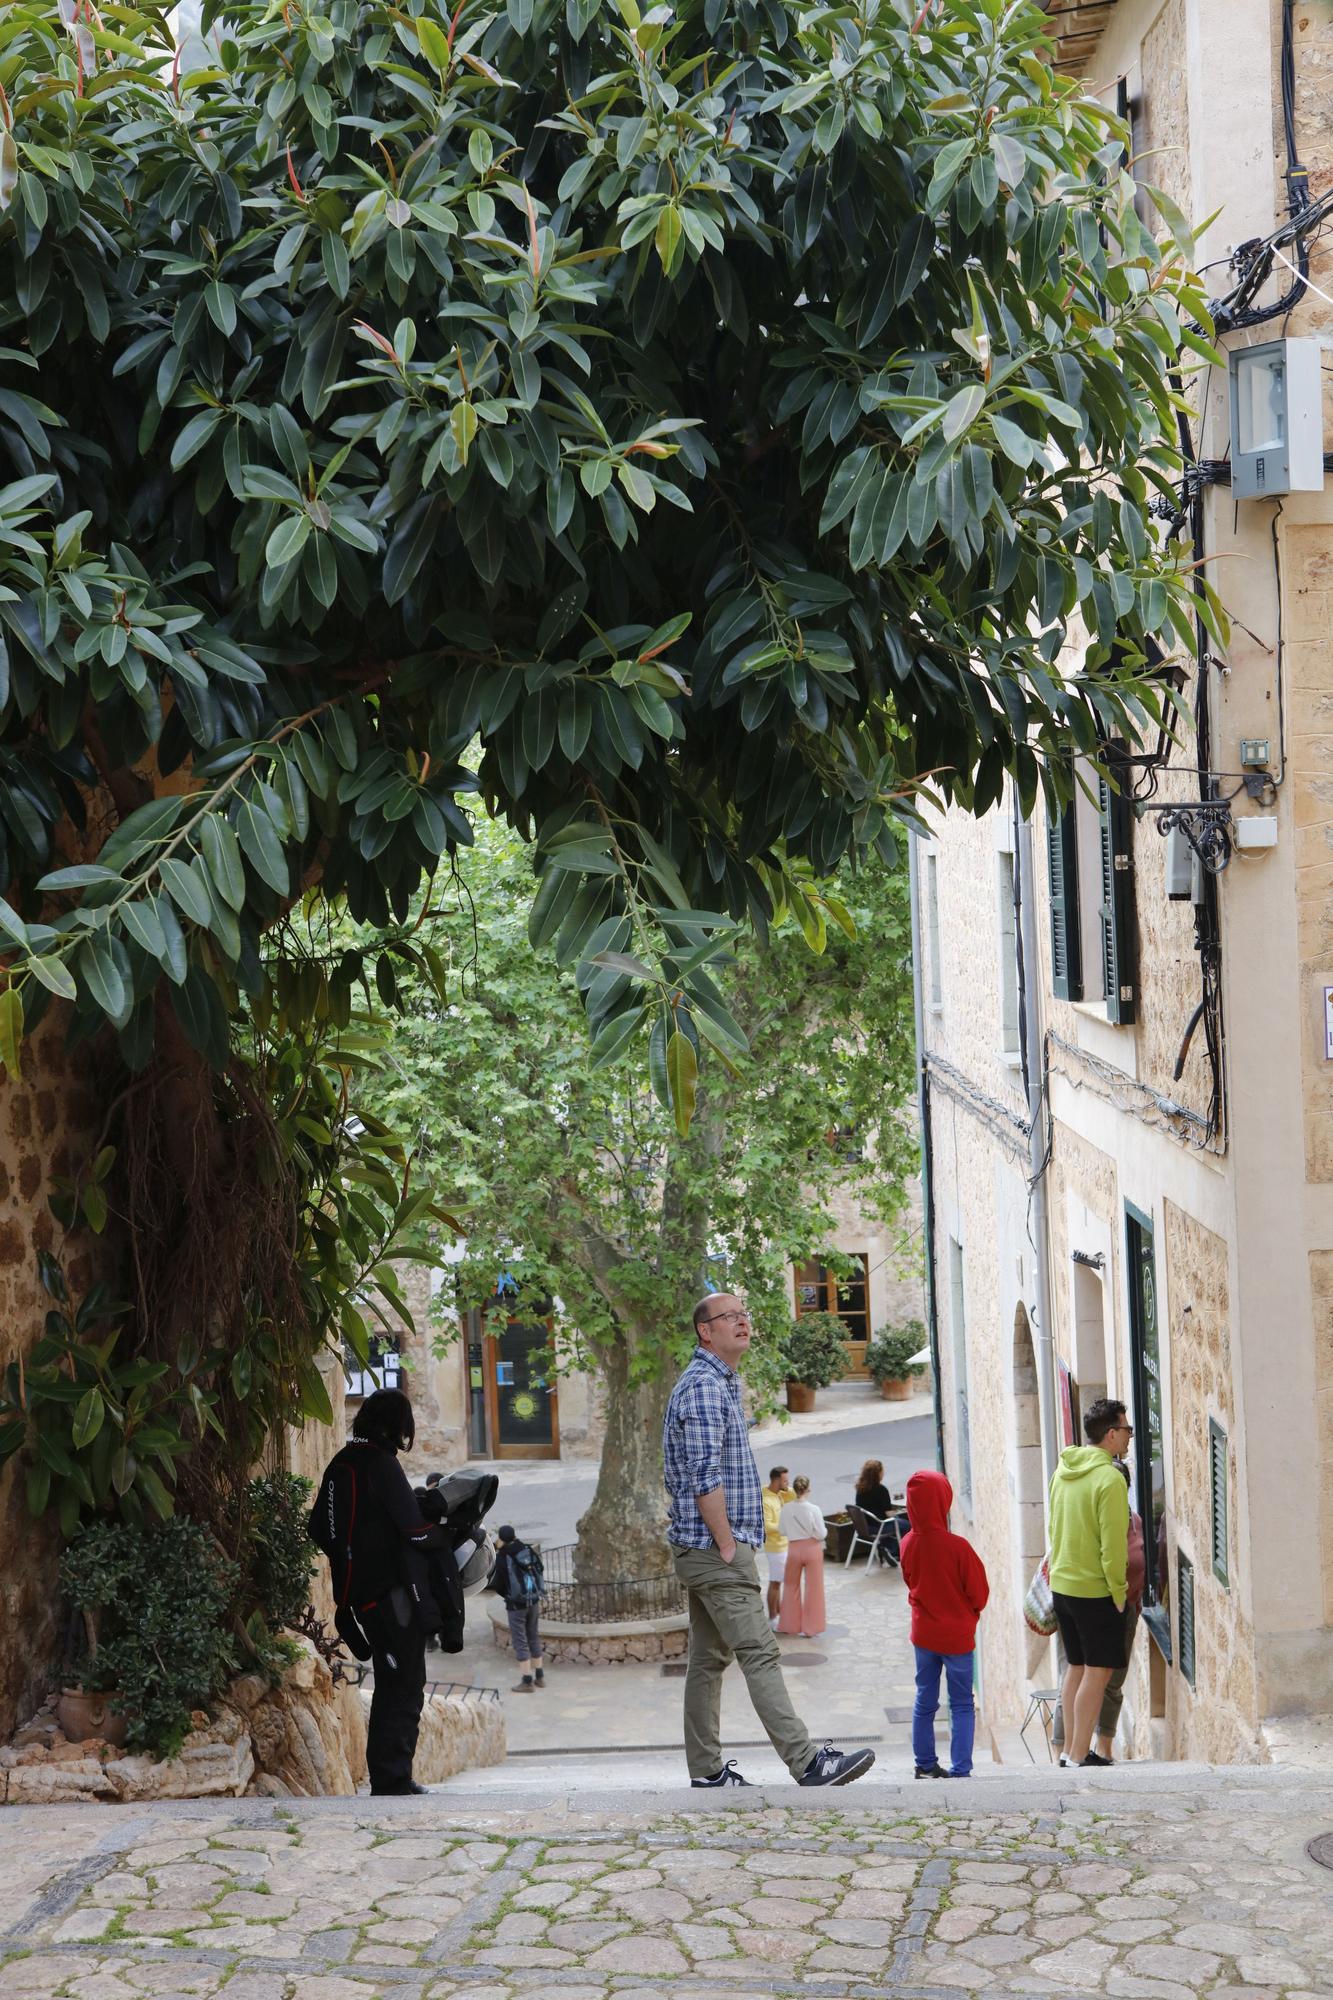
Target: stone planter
[
  {"x": 82, "y": 1715},
  {"x": 601, "y": 1645},
  {"x": 896, "y": 1389},
  {"x": 837, "y": 1540},
  {"x": 800, "y": 1398}
]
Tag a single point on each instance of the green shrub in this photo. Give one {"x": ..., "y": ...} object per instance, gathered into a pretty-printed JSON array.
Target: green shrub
[
  {"x": 889, "y": 1354},
  {"x": 814, "y": 1350},
  {"x": 283, "y": 1557},
  {"x": 156, "y": 1604}
]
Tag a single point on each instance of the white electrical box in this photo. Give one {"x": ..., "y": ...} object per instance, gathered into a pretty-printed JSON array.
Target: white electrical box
[
  {"x": 1255, "y": 830},
  {"x": 1277, "y": 419}
]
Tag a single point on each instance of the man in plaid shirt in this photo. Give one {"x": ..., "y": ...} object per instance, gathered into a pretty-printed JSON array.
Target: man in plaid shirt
[{"x": 716, "y": 1528}]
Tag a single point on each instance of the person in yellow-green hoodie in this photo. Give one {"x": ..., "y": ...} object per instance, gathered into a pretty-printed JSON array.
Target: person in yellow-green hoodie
[{"x": 1089, "y": 1533}]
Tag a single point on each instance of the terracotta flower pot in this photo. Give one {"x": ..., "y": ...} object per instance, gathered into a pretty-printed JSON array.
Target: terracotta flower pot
[
  {"x": 82, "y": 1715},
  {"x": 896, "y": 1389},
  {"x": 800, "y": 1398}
]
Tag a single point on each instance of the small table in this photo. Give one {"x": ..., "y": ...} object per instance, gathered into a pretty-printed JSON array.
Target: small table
[{"x": 1041, "y": 1707}]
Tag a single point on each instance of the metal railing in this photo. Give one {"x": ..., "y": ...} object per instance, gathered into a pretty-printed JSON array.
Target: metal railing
[{"x": 581, "y": 1600}]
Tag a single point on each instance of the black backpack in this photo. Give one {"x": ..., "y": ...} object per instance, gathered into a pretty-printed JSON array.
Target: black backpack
[{"x": 527, "y": 1578}]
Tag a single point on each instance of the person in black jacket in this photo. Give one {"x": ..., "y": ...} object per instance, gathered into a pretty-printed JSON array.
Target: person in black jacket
[
  {"x": 367, "y": 1521},
  {"x": 520, "y": 1580}
]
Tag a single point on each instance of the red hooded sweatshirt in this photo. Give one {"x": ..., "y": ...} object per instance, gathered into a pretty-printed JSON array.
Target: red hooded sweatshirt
[{"x": 945, "y": 1577}]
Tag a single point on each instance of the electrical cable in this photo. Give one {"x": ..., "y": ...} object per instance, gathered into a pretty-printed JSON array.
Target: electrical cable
[{"x": 1254, "y": 260}]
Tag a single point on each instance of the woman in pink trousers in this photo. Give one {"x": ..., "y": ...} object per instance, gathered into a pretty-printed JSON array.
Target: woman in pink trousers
[{"x": 803, "y": 1585}]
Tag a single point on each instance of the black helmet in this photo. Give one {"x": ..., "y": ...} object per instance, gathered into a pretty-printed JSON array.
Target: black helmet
[{"x": 386, "y": 1419}]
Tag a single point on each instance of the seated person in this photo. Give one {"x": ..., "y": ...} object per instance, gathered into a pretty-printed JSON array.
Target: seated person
[{"x": 872, "y": 1495}]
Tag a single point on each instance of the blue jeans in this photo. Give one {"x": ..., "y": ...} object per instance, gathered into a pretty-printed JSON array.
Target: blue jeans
[{"x": 962, "y": 1715}]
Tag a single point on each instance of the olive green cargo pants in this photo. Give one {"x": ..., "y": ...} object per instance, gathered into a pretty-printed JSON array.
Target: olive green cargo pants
[{"x": 728, "y": 1622}]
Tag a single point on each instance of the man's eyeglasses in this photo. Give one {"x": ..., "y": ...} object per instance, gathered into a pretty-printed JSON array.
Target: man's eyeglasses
[{"x": 714, "y": 1317}]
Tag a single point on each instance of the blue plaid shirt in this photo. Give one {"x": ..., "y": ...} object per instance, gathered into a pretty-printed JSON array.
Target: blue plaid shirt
[{"x": 705, "y": 1444}]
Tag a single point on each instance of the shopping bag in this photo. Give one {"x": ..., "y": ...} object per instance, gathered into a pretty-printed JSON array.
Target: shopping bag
[{"x": 1039, "y": 1605}]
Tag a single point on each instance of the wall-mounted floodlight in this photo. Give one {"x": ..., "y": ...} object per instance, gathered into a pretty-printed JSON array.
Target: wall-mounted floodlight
[{"x": 1277, "y": 419}]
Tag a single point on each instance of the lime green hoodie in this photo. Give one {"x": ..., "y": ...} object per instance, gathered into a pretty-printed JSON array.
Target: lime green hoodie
[{"x": 1089, "y": 1524}]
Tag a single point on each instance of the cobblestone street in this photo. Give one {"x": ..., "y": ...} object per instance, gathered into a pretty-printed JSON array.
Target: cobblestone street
[{"x": 1159, "y": 1886}]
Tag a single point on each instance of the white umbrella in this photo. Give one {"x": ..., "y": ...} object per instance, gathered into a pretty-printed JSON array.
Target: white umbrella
[{"x": 921, "y": 1360}]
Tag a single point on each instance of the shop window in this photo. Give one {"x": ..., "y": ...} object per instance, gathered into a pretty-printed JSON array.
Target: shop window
[
  {"x": 1090, "y": 879},
  {"x": 381, "y": 1370},
  {"x": 958, "y": 1333},
  {"x": 1149, "y": 1438},
  {"x": 1218, "y": 1509},
  {"x": 1185, "y": 1614}
]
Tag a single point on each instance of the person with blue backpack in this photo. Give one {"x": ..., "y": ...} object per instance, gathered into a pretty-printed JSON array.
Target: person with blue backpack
[{"x": 521, "y": 1582}]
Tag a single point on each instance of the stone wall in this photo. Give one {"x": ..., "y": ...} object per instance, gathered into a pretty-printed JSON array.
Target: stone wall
[
  {"x": 50, "y": 1121},
  {"x": 457, "y": 1734}
]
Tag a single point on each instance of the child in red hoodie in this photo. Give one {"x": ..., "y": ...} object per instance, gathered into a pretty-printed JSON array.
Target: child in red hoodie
[{"x": 947, "y": 1590}]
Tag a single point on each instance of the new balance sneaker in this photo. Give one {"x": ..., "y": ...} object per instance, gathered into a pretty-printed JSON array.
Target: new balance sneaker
[
  {"x": 837, "y": 1767},
  {"x": 728, "y": 1775}
]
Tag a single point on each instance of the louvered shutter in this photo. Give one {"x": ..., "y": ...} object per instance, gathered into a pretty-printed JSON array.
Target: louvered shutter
[
  {"x": 1217, "y": 1483},
  {"x": 1185, "y": 1615},
  {"x": 1116, "y": 910},
  {"x": 1062, "y": 877}
]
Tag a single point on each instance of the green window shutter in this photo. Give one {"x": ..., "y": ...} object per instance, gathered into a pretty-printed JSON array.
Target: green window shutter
[
  {"x": 1185, "y": 1615},
  {"x": 1217, "y": 1483},
  {"x": 1062, "y": 877},
  {"x": 1116, "y": 909}
]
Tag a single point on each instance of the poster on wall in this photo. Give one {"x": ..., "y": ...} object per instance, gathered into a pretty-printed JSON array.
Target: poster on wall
[{"x": 1066, "y": 1405}]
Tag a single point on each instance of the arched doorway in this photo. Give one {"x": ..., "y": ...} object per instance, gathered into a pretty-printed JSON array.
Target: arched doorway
[{"x": 1029, "y": 1483}]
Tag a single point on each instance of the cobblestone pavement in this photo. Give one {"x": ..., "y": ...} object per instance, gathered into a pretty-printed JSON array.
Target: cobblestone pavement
[{"x": 1167, "y": 1888}]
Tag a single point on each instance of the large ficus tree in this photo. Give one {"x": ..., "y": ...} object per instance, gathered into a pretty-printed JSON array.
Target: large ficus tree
[
  {"x": 717, "y": 414},
  {"x": 573, "y": 1178}
]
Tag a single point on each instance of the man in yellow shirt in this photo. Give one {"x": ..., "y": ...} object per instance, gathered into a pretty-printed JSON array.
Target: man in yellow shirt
[{"x": 776, "y": 1494}]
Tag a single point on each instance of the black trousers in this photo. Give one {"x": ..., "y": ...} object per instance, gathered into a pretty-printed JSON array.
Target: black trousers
[{"x": 398, "y": 1656}]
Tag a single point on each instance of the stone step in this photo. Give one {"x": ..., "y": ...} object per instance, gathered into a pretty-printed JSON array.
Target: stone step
[{"x": 610, "y": 1779}]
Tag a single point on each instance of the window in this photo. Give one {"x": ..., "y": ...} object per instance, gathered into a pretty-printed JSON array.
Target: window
[
  {"x": 1217, "y": 1486},
  {"x": 1008, "y": 959},
  {"x": 933, "y": 928},
  {"x": 381, "y": 1370},
  {"x": 818, "y": 1289},
  {"x": 1090, "y": 875},
  {"x": 1149, "y": 1446},
  {"x": 1185, "y": 1615},
  {"x": 958, "y": 1331}
]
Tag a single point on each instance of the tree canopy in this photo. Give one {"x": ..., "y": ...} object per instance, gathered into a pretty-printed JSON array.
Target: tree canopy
[
  {"x": 721, "y": 412},
  {"x": 575, "y": 1181}
]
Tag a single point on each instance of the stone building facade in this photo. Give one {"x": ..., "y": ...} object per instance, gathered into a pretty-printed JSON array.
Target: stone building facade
[{"x": 1130, "y": 1191}]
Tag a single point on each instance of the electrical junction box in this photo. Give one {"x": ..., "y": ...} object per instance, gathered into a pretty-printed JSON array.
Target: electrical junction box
[
  {"x": 1254, "y": 753},
  {"x": 1184, "y": 870},
  {"x": 1277, "y": 419},
  {"x": 1255, "y": 830}
]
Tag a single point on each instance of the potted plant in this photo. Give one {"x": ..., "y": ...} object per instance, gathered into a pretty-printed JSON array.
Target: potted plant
[
  {"x": 890, "y": 1359},
  {"x": 152, "y": 1604},
  {"x": 815, "y": 1354}
]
